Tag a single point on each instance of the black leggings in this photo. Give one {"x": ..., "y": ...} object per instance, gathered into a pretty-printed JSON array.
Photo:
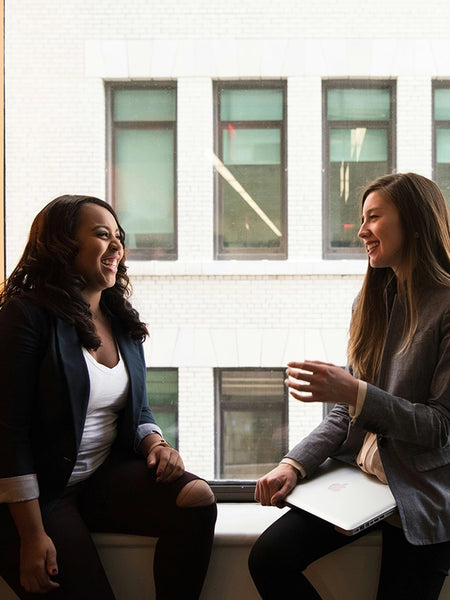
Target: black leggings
[
  {"x": 297, "y": 539},
  {"x": 123, "y": 497}
]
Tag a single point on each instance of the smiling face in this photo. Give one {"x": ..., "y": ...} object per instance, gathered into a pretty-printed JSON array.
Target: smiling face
[
  {"x": 100, "y": 249},
  {"x": 382, "y": 232}
]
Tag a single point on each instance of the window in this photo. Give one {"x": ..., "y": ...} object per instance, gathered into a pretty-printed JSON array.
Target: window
[
  {"x": 141, "y": 147},
  {"x": 250, "y": 161},
  {"x": 441, "y": 136},
  {"x": 358, "y": 147},
  {"x": 162, "y": 390},
  {"x": 251, "y": 417}
]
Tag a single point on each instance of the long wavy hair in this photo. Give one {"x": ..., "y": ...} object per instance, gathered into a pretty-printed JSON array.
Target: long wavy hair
[
  {"x": 46, "y": 272},
  {"x": 425, "y": 261}
]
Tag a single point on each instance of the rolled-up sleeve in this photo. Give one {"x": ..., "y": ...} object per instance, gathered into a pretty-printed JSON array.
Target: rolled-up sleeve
[
  {"x": 19, "y": 489},
  {"x": 144, "y": 430},
  {"x": 355, "y": 411}
]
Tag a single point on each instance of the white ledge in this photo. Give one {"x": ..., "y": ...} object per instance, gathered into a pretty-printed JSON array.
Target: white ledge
[
  {"x": 224, "y": 268},
  {"x": 238, "y": 524}
]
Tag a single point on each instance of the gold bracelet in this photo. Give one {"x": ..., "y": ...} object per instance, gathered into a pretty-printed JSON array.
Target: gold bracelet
[{"x": 160, "y": 442}]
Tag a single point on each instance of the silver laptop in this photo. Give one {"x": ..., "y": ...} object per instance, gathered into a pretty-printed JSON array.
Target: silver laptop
[{"x": 343, "y": 495}]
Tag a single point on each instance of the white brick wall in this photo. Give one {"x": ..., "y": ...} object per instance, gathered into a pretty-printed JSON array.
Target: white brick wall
[
  {"x": 304, "y": 115},
  {"x": 205, "y": 313},
  {"x": 196, "y": 419},
  {"x": 414, "y": 110},
  {"x": 195, "y": 185}
]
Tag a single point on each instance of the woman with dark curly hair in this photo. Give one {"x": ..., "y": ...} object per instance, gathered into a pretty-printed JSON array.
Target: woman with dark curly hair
[
  {"x": 392, "y": 406},
  {"x": 80, "y": 450}
]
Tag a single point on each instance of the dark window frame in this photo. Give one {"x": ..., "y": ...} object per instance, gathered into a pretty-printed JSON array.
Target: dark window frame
[
  {"x": 221, "y": 253},
  {"x": 111, "y": 128},
  {"x": 330, "y": 253},
  {"x": 237, "y": 489}
]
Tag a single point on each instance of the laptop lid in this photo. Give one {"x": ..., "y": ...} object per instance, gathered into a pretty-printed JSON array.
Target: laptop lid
[{"x": 343, "y": 495}]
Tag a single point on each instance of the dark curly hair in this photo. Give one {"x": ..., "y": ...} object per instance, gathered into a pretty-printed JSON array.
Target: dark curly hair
[{"x": 46, "y": 274}]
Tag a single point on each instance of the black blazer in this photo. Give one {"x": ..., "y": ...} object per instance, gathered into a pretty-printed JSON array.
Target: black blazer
[{"x": 45, "y": 392}]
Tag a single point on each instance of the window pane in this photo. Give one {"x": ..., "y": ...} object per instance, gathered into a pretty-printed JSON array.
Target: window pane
[
  {"x": 162, "y": 391},
  {"x": 346, "y": 181},
  {"x": 251, "y": 105},
  {"x": 251, "y": 146},
  {"x": 145, "y": 186},
  {"x": 443, "y": 145},
  {"x": 358, "y": 145},
  {"x": 253, "y": 409},
  {"x": 242, "y": 226},
  {"x": 144, "y": 105},
  {"x": 356, "y": 157},
  {"x": 442, "y": 176},
  {"x": 357, "y": 104},
  {"x": 442, "y": 104}
]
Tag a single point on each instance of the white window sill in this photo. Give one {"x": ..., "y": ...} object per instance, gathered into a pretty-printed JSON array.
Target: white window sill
[{"x": 245, "y": 267}]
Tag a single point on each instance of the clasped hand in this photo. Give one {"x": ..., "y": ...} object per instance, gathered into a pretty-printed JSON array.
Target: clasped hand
[
  {"x": 316, "y": 381},
  {"x": 167, "y": 462}
]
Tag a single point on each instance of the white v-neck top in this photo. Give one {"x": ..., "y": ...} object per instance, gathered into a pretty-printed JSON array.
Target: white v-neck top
[{"x": 108, "y": 394}]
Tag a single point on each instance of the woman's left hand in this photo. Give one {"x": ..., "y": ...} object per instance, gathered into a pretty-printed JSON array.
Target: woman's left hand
[
  {"x": 167, "y": 462},
  {"x": 316, "y": 381}
]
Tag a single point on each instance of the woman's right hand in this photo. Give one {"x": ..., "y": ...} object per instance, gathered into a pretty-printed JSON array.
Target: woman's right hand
[
  {"x": 273, "y": 488},
  {"x": 37, "y": 551},
  {"x": 38, "y": 564}
]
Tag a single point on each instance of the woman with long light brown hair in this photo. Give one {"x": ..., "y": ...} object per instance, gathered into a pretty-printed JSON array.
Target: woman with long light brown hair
[{"x": 392, "y": 412}]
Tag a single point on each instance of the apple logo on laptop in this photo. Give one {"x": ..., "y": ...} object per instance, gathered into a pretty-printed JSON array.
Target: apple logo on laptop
[{"x": 337, "y": 487}]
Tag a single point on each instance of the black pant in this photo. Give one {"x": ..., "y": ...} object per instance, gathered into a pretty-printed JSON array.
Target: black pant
[
  {"x": 297, "y": 539},
  {"x": 123, "y": 497}
]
